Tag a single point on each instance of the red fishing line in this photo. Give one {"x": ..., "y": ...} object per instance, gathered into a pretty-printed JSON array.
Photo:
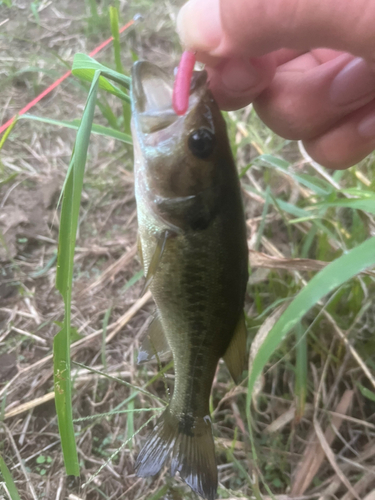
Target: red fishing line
[
  {"x": 61, "y": 79},
  {"x": 181, "y": 89}
]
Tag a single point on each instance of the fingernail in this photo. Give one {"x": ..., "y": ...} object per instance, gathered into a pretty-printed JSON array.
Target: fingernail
[
  {"x": 239, "y": 76},
  {"x": 199, "y": 25},
  {"x": 355, "y": 81},
  {"x": 366, "y": 128}
]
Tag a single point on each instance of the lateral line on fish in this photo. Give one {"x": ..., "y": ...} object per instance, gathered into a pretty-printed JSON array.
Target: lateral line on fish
[{"x": 181, "y": 88}]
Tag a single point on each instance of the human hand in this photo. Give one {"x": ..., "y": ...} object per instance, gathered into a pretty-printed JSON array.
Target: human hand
[{"x": 266, "y": 52}]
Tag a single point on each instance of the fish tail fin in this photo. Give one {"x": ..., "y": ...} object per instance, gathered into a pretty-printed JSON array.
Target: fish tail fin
[{"x": 190, "y": 442}]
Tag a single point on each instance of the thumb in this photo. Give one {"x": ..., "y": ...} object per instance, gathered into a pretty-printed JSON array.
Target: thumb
[{"x": 252, "y": 28}]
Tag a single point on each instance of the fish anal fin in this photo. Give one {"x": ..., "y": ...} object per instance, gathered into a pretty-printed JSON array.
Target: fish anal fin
[
  {"x": 154, "y": 343},
  {"x": 157, "y": 448},
  {"x": 193, "y": 453},
  {"x": 235, "y": 355},
  {"x": 156, "y": 257}
]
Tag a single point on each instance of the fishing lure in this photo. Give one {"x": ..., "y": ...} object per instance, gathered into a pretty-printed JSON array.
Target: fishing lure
[{"x": 181, "y": 89}]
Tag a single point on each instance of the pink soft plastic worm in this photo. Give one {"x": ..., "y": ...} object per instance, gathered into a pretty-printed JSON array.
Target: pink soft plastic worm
[{"x": 181, "y": 89}]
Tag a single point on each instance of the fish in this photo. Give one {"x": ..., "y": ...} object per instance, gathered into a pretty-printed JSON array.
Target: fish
[{"x": 193, "y": 247}]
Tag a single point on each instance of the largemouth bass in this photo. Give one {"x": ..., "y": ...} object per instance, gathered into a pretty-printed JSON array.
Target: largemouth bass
[{"x": 192, "y": 243}]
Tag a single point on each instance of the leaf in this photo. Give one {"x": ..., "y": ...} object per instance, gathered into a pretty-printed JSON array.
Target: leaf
[
  {"x": 263, "y": 219},
  {"x": 273, "y": 161},
  {"x": 361, "y": 193},
  {"x": 84, "y": 67},
  {"x": 335, "y": 274},
  {"x": 136, "y": 277},
  {"x": 160, "y": 493},
  {"x": 366, "y": 392},
  {"x": 68, "y": 228},
  {"x": 300, "y": 385},
  {"x": 7, "y": 132},
  {"x": 294, "y": 210},
  {"x": 75, "y": 124},
  {"x": 113, "y": 16},
  {"x": 7, "y": 476},
  {"x": 365, "y": 204},
  {"x": 318, "y": 186}
]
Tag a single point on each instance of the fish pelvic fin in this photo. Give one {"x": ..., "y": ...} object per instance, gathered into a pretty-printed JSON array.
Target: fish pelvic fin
[
  {"x": 189, "y": 442},
  {"x": 154, "y": 343}
]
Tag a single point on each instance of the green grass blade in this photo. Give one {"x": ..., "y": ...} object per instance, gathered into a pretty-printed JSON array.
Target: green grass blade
[
  {"x": 136, "y": 277},
  {"x": 160, "y": 493},
  {"x": 40, "y": 272},
  {"x": 366, "y": 204},
  {"x": 115, "y": 453},
  {"x": 94, "y": 12},
  {"x": 64, "y": 278},
  {"x": 104, "y": 334},
  {"x": 120, "y": 381},
  {"x": 130, "y": 424},
  {"x": 8, "y": 179},
  {"x": 116, "y": 412},
  {"x": 107, "y": 112},
  {"x": 319, "y": 186},
  {"x": 113, "y": 16},
  {"x": 7, "y": 132},
  {"x": 7, "y": 476},
  {"x": 262, "y": 224},
  {"x": 2, "y": 407},
  {"x": 366, "y": 392},
  {"x": 361, "y": 193},
  {"x": 335, "y": 274},
  {"x": 84, "y": 67},
  {"x": 150, "y": 382},
  {"x": 300, "y": 388},
  {"x": 75, "y": 124},
  {"x": 293, "y": 210}
]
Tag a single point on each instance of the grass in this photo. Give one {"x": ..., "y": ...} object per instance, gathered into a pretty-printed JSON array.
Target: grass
[
  {"x": 8, "y": 480},
  {"x": 310, "y": 321}
]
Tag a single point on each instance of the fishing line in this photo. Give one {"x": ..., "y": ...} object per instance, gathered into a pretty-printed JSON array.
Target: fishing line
[{"x": 63, "y": 77}]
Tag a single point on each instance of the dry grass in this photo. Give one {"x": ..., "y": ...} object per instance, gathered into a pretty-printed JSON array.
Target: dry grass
[{"x": 327, "y": 452}]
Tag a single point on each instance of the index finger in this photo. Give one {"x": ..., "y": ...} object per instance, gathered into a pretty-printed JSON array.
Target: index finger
[{"x": 252, "y": 28}]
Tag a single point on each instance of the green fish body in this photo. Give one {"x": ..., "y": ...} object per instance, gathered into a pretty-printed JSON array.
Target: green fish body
[{"x": 192, "y": 242}]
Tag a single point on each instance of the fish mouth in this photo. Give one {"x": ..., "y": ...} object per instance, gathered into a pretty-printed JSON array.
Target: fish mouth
[{"x": 151, "y": 95}]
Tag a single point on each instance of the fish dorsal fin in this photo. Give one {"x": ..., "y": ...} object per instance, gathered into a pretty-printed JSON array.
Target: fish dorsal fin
[
  {"x": 156, "y": 257},
  {"x": 235, "y": 355},
  {"x": 154, "y": 342}
]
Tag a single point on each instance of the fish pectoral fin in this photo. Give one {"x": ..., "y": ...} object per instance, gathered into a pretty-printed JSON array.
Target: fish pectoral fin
[
  {"x": 156, "y": 257},
  {"x": 235, "y": 355},
  {"x": 154, "y": 343}
]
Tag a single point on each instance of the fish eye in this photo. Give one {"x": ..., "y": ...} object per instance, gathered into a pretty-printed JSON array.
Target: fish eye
[{"x": 201, "y": 143}]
